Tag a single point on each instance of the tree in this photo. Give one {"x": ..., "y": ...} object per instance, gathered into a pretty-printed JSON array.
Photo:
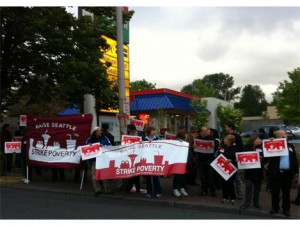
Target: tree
[
  {"x": 223, "y": 84},
  {"x": 288, "y": 105},
  {"x": 141, "y": 85},
  {"x": 199, "y": 89},
  {"x": 51, "y": 57},
  {"x": 228, "y": 113},
  {"x": 201, "y": 116},
  {"x": 252, "y": 101}
]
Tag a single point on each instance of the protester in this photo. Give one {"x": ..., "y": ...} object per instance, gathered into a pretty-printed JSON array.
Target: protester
[
  {"x": 253, "y": 177},
  {"x": 179, "y": 180},
  {"x": 282, "y": 170},
  {"x": 205, "y": 170},
  {"x": 230, "y": 129},
  {"x": 216, "y": 176},
  {"x": 135, "y": 180},
  {"x": 108, "y": 184},
  {"x": 152, "y": 182},
  {"x": 97, "y": 137},
  {"x": 192, "y": 164},
  {"x": 229, "y": 150},
  {"x": 8, "y": 157},
  {"x": 162, "y": 133},
  {"x": 19, "y": 133}
]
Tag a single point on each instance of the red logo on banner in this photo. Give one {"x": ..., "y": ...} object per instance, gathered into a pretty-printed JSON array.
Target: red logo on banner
[
  {"x": 11, "y": 147},
  {"x": 126, "y": 139},
  {"x": 139, "y": 124}
]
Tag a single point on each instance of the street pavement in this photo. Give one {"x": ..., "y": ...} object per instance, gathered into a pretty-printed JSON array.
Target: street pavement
[{"x": 193, "y": 200}]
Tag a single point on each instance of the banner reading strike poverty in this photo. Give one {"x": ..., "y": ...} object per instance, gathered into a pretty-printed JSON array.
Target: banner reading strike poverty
[
  {"x": 204, "y": 146},
  {"x": 156, "y": 158},
  {"x": 248, "y": 160},
  {"x": 55, "y": 141}
]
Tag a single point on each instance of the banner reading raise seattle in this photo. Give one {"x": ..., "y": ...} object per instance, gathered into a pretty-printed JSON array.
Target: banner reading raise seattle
[
  {"x": 156, "y": 158},
  {"x": 55, "y": 141}
]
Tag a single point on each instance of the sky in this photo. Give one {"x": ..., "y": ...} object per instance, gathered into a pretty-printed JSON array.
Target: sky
[
  {"x": 173, "y": 46},
  {"x": 174, "y": 42}
]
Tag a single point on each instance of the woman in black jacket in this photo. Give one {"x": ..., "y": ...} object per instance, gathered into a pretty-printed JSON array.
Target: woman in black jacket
[{"x": 253, "y": 177}]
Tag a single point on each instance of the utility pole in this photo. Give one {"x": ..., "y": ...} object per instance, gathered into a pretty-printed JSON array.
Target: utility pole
[{"x": 121, "y": 77}]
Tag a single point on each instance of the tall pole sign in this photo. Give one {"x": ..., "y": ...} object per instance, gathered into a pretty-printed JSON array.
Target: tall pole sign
[{"x": 121, "y": 77}]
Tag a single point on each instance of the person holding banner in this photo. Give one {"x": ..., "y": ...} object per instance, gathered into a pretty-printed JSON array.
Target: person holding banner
[
  {"x": 253, "y": 176},
  {"x": 205, "y": 170},
  {"x": 179, "y": 179},
  {"x": 152, "y": 182},
  {"x": 97, "y": 137},
  {"x": 282, "y": 170},
  {"x": 136, "y": 179},
  {"x": 229, "y": 150}
]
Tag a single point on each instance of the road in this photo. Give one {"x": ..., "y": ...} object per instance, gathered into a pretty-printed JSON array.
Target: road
[{"x": 34, "y": 204}]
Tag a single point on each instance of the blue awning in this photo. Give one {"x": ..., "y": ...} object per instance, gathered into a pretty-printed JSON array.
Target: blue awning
[
  {"x": 72, "y": 110},
  {"x": 160, "y": 101}
]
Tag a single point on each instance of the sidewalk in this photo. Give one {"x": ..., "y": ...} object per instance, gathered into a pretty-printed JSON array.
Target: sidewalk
[{"x": 192, "y": 201}]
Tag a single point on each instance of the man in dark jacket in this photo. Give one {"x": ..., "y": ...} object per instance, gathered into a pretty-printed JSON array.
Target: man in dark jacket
[{"x": 282, "y": 170}]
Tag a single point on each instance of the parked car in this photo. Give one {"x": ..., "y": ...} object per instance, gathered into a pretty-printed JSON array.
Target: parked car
[
  {"x": 267, "y": 131},
  {"x": 296, "y": 131}
]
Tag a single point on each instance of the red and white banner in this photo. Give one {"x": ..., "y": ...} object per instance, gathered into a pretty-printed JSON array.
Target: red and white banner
[
  {"x": 90, "y": 151},
  {"x": 204, "y": 146},
  {"x": 139, "y": 124},
  {"x": 23, "y": 120},
  {"x": 56, "y": 141},
  {"x": 12, "y": 147},
  {"x": 275, "y": 147},
  {"x": 127, "y": 139},
  {"x": 169, "y": 136},
  {"x": 156, "y": 158},
  {"x": 248, "y": 160},
  {"x": 224, "y": 168}
]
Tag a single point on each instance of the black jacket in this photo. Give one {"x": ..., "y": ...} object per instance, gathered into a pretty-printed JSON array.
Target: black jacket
[{"x": 274, "y": 170}]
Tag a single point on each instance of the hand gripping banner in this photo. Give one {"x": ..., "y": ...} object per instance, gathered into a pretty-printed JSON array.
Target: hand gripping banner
[
  {"x": 55, "y": 141},
  {"x": 156, "y": 158}
]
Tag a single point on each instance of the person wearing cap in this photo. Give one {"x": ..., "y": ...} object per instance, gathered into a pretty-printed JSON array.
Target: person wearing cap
[{"x": 97, "y": 137}]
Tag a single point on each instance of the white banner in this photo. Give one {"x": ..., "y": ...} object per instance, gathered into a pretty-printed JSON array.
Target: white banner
[
  {"x": 204, "y": 146},
  {"x": 11, "y": 147},
  {"x": 147, "y": 158}
]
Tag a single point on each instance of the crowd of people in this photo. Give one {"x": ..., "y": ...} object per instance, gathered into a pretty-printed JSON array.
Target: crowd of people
[{"x": 278, "y": 172}]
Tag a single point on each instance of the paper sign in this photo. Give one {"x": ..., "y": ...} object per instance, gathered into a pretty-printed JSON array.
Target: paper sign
[
  {"x": 23, "y": 120},
  {"x": 204, "y": 146},
  {"x": 139, "y": 124},
  {"x": 90, "y": 151},
  {"x": 127, "y": 139},
  {"x": 275, "y": 147},
  {"x": 225, "y": 169},
  {"x": 248, "y": 160},
  {"x": 11, "y": 147},
  {"x": 170, "y": 136}
]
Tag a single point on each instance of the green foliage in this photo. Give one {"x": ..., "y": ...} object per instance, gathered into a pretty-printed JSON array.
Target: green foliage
[
  {"x": 228, "y": 113},
  {"x": 252, "y": 101},
  {"x": 201, "y": 113},
  {"x": 141, "y": 85},
  {"x": 223, "y": 84},
  {"x": 199, "y": 89},
  {"x": 51, "y": 57},
  {"x": 288, "y": 98}
]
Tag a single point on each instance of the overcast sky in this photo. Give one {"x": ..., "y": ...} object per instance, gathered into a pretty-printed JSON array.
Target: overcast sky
[{"x": 172, "y": 46}]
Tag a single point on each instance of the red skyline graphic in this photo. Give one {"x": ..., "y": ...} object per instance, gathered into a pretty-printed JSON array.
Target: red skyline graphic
[
  {"x": 226, "y": 167},
  {"x": 248, "y": 158},
  {"x": 13, "y": 146},
  {"x": 90, "y": 150}
]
